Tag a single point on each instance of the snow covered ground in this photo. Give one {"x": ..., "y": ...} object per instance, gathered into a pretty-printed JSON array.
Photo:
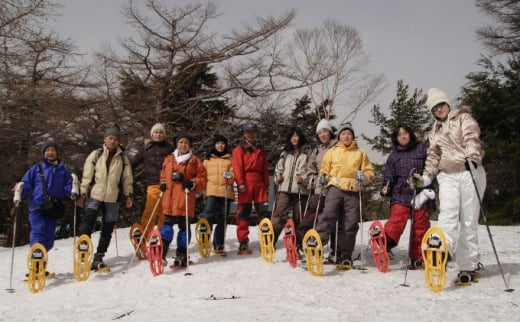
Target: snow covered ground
[{"x": 254, "y": 290}]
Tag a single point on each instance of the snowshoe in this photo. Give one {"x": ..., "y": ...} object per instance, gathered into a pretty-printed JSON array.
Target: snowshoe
[
  {"x": 344, "y": 263},
  {"x": 136, "y": 237},
  {"x": 243, "y": 249},
  {"x": 466, "y": 278},
  {"x": 83, "y": 256},
  {"x": 289, "y": 240},
  {"x": 98, "y": 265},
  {"x": 266, "y": 238},
  {"x": 434, "y": 249},
  {"x": 36, "y": 264},
  {"x": 313, "y": 249},
  {"x": 203, "y": 230},
  {"x": 154, "y": 245},
  {"x": 219, "y": 250},
  {"x": 377, "y": 243}
]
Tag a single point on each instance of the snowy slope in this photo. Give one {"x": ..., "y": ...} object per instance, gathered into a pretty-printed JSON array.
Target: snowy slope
[{"x": 263, "y": 292}]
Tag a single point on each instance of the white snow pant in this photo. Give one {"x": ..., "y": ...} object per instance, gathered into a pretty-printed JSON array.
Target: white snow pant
[{"x": 459, "y": 214}]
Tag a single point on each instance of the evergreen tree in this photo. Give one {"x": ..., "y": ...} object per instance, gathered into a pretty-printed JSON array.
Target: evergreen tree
[
  {"x": 404, "y": 109},
  {"x": 494, "y": 96}
]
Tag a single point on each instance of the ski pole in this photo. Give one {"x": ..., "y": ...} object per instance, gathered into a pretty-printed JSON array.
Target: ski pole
[
  {"x": 186, "y": 191},
  {"x": 361, "y": 224},
  {"x": 411, "y": 236},
  {"x": 17, "y": 199},
  {"x": 115, "y": 237},
  {"x": 145, "y": 229},
  {"x": 482, "y": 213},
  {"x": 225, "y": 210},
  {"x": 11, "y": 289},
  {"x": 317, "y": 210},
  {"x": 300, "y": 201}
]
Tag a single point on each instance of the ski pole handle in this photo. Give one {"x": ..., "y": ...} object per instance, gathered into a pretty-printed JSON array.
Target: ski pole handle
[{"x": 18, "y": 189}]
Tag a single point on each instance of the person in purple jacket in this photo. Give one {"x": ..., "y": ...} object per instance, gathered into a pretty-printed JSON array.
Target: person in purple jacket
[{"x": 408, "y": 157}]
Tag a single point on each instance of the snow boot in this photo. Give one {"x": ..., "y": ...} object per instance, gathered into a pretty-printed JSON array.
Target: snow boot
[
  {"x": 98, "y": 265},
  {"x": 466, "y": 278},
  {"x": 330, "y": 259},
  {"x": 390, "y": 244},
  {"x": 219, "y": 250},
  {"x": 243, "y": 249},
  {"x": 416, "y": 264},
  {"x": 180, "y": 262},
  {"x": 344, "y": 263}
]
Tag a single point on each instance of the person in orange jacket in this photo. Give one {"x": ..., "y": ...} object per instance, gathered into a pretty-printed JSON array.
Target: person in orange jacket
[{"x": 183, "y": 175}]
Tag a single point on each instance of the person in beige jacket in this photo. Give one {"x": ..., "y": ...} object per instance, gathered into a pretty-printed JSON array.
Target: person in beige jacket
[
  {"x": 291, "y": 192},
  {"x": 455, "y": 151},
  {"x": 103, "y": 171}
]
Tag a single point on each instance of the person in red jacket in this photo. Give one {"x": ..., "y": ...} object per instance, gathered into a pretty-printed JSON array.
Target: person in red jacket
[{"x": 252, "y": 177}]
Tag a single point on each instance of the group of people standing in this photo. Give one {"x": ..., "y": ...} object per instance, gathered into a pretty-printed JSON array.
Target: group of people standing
[{"x": 319, "y": 187}]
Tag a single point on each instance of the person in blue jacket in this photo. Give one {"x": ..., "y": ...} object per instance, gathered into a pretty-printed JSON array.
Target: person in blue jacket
[{"x": 59, "y": 185}]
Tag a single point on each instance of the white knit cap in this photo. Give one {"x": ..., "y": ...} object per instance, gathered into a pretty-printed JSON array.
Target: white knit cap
[
  {"x": 158, "y": 126},
  {"x": 324, "y": 124},
  {"x": 436, "y": 96}
]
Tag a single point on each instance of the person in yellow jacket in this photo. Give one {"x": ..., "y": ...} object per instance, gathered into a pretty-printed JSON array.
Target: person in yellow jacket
[
  {"x": 344, "y": 169},
  {"x": 182, "y": 173},
  {"x": 219, "y": 189}
]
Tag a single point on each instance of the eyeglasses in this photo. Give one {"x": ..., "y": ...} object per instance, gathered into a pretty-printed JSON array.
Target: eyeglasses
[{"x": 438, "y": 107}]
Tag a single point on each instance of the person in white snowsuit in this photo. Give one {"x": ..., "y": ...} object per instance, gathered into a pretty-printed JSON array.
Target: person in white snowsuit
[{"x": 455, "y": 151}]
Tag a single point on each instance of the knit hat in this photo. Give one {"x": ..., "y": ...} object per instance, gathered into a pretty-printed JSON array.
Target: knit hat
[
  {"x": 113, "y": 130},
  {"x": 50, "y": 143},
  {"x": 250, "y": 126},
  {"x": 344, "y": 127},
  {"x": 436, "y": 96},
  {"x": 324, "y": 124},
  {"x": 181, "y": 135},
  {"x": 217, "y": 138},
  {"x": 158, "y": 126}
]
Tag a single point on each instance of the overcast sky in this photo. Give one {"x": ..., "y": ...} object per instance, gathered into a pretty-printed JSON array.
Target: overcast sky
[{"x": 426, "y": 43}]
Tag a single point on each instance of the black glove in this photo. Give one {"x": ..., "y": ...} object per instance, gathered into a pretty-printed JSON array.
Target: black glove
[
  {"x": 466, "y": 163},
  {"x": 187, "y": 184},
  {"x": 162, "y": 187}
]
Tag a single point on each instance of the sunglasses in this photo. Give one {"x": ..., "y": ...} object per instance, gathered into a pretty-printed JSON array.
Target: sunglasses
[{"x": 438, "y": 107}]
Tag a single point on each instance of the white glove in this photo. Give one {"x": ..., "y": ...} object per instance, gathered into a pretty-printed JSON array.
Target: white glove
[
  {"x": 75, "y": 187},
  {"x": 18, "y": 189},
  {"x": 421, "y": 198}
]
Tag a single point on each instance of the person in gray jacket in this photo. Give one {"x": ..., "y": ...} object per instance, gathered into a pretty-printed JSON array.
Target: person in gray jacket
[
  {"x": 455, "y": 158},
  {"x": 105, "y": 169}
]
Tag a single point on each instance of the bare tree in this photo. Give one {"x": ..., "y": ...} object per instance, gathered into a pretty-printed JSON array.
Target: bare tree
[
  {"x": 337, "y": 50},
  {"x": 176, "y": 41},
  {"x": 503, "y": 37}
]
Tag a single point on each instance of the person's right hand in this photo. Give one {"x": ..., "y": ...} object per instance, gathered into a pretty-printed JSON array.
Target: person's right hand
[{"x": 81, "y": 201}]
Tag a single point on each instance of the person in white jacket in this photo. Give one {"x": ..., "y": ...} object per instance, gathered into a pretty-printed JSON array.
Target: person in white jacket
[{"x": 455, "y": 151}]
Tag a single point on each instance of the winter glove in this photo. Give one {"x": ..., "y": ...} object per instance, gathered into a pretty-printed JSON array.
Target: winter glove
[
  {"x": 188, "y": 185},
  {"x": 361, "y": 177},
  {"x": 228, "y": 175},
  {"x": 74, "y": 192},
  {"x": 468, "y": 167},
  {"x": 323, "y": 180},
  {"x": 311, "y": 185},
  {"x": 417, "y": 180},
  {"x": 421, "y": 198},
  {"x": 162, "y": 187},
  {"x": 18, "y": 189}
]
